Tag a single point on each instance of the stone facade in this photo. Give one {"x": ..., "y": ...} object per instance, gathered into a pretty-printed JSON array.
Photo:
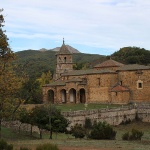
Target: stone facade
[{"x": 108, "y": 82}]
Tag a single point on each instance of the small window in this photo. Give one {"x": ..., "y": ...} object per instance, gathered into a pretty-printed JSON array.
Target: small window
[
  {"x": 116, "y": 93},
  {"x": 139, "y": 84},
  {"x": 120, "y": 82}
]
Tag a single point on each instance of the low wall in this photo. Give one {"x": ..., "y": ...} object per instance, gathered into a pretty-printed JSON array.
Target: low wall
[{"x": 111, "y": 116}]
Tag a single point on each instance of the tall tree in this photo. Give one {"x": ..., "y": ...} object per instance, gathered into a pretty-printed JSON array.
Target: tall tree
[
  {"x": 46, "y": 78},
  {"x": 9, "y": 83},
  {"x": 31, "y": 91}
]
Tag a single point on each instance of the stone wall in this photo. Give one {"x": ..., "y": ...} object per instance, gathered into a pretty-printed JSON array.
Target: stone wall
[{"x": 111, "y": 116}]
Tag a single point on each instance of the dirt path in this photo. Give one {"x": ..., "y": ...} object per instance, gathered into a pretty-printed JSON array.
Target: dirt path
[{"x": 85, "y": 148}]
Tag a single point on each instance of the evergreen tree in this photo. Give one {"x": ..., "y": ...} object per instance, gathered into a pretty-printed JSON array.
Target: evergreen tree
[{"x": 9, "y": 83}]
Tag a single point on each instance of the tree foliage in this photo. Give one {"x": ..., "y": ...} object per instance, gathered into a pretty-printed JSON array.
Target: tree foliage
[
  {"x": 9, "y": 82},
  {"x": 45, "y": 117},
  {"x": 102, "y": 130},
  {"x": 132, "y": 55},
  {"x": 34, "y": 62},
  {"x": 78, "y": 131},
  {"x": 133, "y": 135},
  {"x": 31, "y": 91}
]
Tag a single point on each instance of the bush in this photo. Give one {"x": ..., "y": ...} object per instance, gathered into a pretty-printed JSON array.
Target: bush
[
  {"x": 125, "y": 136},
  {"x": 47, "y": 147},
  {"x": 5, "y": 146},
  {"x": 78, "y": 131},
  {"x": 134, "y": 135},
  {"x": 88, "y": 123},
  {"x": 102, "y": 130}
]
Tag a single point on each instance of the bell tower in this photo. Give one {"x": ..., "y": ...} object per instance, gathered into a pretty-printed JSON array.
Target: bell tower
[{"x": 64, "y": 61}]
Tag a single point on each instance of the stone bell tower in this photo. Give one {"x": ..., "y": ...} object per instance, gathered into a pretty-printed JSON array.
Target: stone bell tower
[{"x": 64, "y": 61}]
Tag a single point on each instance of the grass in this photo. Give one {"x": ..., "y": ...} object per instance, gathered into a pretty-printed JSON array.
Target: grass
[
  {"x": 75, "y": 107},
  {"x": 25, "y": 140}
]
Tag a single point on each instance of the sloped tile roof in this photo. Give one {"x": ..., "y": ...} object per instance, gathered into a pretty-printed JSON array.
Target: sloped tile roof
[
  {"x": 87, "y": 72},
  {"x": 108, "y": 63},
  {"x": 63, "y": 50},
  {"x": 119, "y": 88},
  {"x": 133, "y": 67}
]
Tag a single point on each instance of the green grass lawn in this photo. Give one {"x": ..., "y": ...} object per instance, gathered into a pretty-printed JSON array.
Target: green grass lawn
[
  {"x": 75, "y": 107},
  {"x": 25, "y": 140}
]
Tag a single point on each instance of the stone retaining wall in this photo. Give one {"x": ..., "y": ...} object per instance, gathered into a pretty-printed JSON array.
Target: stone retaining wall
[{"x": 111, "y": 116}]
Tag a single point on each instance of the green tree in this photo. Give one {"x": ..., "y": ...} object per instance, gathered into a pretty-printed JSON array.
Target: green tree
[
  {"x": 31, "y": 91},
  {"x": 132, "y": 55},
  {"x": 49, "y": 118},
  {"x": 26, "y": 116},
  {"x": 46, "y": 78},
  {"x": 9, "y": 82}
]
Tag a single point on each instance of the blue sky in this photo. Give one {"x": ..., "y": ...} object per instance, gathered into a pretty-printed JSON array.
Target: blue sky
[{"x": 91, "y": 26}]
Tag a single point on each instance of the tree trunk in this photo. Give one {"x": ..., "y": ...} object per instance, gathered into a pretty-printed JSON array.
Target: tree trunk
[
  {"x": 19, "y": 127},
  {"x": 40, "y": 134},
  {"x": 50, "y": 137}
]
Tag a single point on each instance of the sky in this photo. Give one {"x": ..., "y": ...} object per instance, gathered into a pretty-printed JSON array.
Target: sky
[{"x": 91, "y": 26}]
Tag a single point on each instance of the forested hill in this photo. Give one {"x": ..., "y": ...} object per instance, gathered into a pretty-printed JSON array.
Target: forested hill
[
  {"x": 132, "y": 55},
  {"x": 34, "y": 62}
]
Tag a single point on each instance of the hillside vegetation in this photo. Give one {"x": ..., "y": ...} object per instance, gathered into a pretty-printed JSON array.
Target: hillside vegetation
[
  {"x": 132, "y": 55},
  {"x": 34, "y": 62}
]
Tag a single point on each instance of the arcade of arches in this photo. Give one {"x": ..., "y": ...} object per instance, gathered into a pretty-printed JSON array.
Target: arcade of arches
[{"x": 70, "y": 96}]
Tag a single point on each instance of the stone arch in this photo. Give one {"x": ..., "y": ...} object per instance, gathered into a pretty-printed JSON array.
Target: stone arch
[
  {"x": 82, "y": 96},
  {"x": 65, "y": 59},
  {"x": 63, "y": 96},
  {"x": 72, "y": 95},
  {"x": 51, "y": 96}
]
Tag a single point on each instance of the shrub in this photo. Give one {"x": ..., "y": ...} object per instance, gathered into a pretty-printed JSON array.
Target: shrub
[
  {"x": 125, "y": 136},
  {"x": 102, "y": 130},
  {"x": 5, "y": 146},
  {"x": 134, "y": 135},
  {"x": 78, "y": 131},
  {"x": 88, "y": 123},
  {"x": 47, "y": 147}
]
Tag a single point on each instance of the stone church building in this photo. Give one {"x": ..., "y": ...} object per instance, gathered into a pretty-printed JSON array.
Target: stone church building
[{"x": 108, "y": 82}]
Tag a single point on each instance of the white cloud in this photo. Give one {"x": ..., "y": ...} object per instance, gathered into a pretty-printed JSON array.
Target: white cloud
[{"x": 108, "y": 24}]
